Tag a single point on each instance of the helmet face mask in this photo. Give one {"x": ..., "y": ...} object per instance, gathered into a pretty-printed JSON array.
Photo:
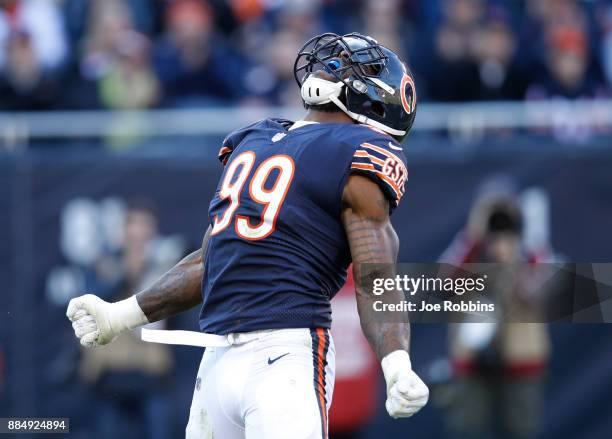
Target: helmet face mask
[
  {"x": 358, "y": 56},
  {"x": 377, "y": 88}
]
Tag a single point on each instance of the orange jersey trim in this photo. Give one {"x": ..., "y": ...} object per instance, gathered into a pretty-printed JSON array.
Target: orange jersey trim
[
  {"x": 364, "y": 154},
  {"x": 386, "y": 153}
]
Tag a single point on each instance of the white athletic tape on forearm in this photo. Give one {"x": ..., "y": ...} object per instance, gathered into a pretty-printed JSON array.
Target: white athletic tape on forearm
[
  {"x": 393, "y": 363},
  {"x": 127, "y": 313}
]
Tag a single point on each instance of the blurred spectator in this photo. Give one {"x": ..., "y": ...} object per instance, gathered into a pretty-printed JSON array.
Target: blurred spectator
[
  {"x": 193, "y": 62},
  {"x": 114, "y": 68},
  {"x": 384, "y": 21},
  {"x": 42, "y": 22},
  {"x": 501, "y": 366},
  {"x": 131, "y": 381},
  {"x": 494, "y": 48},
  {"x": 561, "y": 35},
  {"x": 272, "y": 78},
  {"x": 301, "y": 16},
  {"x": 32, "y": 51},
  {"x": 269, "y": 43},
  {"x": 143, "y": 13},
  {"x": 453, "y": 73},
  {"x": 131, "y": 82},
  {"x": 567, "y": 66},
  {"x": 108, "y": 22},
  {"x": 24, "y": 83},
  {"x": 569, "y": 75}
]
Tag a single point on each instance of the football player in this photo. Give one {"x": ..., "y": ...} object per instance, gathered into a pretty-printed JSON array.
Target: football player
[{"x": 296, "y": 204}]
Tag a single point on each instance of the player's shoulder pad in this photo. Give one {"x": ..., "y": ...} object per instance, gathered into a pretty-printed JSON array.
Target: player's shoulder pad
[
  {"x": 381, "y": 158},
  {"x": 233, "y": 139}
]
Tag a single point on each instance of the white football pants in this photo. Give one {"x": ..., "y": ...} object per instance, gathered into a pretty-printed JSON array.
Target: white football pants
[{"x": 274, "y": 384}]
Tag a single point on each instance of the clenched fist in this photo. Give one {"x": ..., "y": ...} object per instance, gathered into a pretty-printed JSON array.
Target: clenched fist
[
  {"x": 96, "y": 322},
  {"x": 406, "y": 392}
]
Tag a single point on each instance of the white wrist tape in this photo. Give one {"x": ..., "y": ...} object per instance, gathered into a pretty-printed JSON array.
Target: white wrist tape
[
  {"x": 393, "y": 364},
  {"x": 127, "y": 314}
]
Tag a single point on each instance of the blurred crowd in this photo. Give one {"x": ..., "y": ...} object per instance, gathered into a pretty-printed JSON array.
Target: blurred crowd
[
  {"x": 115, "y": 248},
  {"x": 131, "y": 54}
]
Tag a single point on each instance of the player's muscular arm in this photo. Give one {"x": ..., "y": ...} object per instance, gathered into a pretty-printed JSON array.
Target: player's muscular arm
[
  {"x": 374, "y": 246},
  {"x": 97, "y": 322},
  {"x": 176, "y": 291},
  {"x": 372, "y": 240}
]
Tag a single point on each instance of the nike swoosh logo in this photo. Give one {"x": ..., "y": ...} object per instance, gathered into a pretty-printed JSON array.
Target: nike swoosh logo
[
  {"x": 392, "y": 146},
  {"x": 270, "y": 361}
]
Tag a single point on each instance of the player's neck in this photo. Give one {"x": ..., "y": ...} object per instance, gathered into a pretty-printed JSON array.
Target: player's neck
[{"x": 326, "y": 117}]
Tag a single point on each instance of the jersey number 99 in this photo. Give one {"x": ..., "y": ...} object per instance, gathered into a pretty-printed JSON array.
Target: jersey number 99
[{"x": 236, "y": 176}]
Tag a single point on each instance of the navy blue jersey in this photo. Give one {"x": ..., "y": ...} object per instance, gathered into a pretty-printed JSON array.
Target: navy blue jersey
[{"x": 278, "y": 251}]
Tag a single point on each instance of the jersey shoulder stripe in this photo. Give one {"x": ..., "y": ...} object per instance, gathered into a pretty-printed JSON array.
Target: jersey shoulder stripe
[
  {"x": 375, "y": 165},
  {"x": 381, "y": 159},
  {"x": 385, "y": 153}
]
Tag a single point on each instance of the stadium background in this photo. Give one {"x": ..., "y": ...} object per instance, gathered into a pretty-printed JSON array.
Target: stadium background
[{"x": 115, "y": 103}]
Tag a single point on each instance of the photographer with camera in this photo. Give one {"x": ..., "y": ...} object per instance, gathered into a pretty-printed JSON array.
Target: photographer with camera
[{"x": 500, "y": 365}]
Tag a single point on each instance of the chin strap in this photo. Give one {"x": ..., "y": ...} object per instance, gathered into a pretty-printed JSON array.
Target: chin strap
[
  {"x": 317, "y": 91},
  {"x": 366, "y": 120}
]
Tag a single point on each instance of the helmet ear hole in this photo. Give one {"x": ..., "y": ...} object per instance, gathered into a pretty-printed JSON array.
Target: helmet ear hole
[{"x": 378, "y": 109}]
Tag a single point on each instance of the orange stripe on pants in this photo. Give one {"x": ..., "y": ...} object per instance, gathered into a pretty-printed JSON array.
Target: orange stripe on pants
[{"x": 320, "y": 344}]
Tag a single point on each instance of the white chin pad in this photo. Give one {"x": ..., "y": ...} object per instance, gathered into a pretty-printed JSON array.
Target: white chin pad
[{"x": 317, "y": 91}]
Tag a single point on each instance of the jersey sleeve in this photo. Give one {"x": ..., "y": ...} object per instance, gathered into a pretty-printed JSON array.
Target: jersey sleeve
[
  {"x": 234, "y": 138},
  {"x": 382, "y": 160}
]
